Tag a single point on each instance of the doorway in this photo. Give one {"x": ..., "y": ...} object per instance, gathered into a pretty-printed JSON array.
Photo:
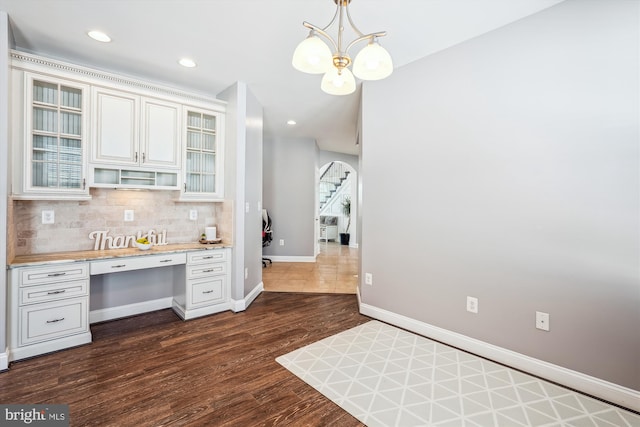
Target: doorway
[{"x": 336, "y": 205}]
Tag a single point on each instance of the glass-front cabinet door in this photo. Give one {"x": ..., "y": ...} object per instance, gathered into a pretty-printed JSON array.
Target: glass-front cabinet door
[
  {"x": 203, "y": 174},
  {"x": 55, "y": 133}
]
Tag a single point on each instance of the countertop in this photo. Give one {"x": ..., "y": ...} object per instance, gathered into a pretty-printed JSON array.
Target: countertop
[{"x": 91, "y": 255}]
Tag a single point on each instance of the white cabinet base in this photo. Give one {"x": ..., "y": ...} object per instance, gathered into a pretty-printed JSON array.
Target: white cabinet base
[
  {"x": 198, "y": 312},
  {"x": 18, "y": 353}
]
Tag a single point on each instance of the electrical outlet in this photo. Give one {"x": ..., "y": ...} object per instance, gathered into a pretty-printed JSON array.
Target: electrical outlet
[
  {"x": 472, "y": 304},
  {"x": 193, "y": 214},
  {"x": 247, "y": 207},
  {"x": 48, "y": 217},
  {"x": 281, "y": 242},
  {"x": 368, "y": 279},
  {"x": 542, "y": 321},
  {"x": 246, "y": 273},
  {"x": 128, "y": 215}
]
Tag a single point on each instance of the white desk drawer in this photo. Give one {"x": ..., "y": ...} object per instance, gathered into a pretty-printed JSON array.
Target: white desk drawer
[
  {"x": 43, "y": 322},
  {"x": 202, "y": 257},
  {"x": 136, "y": 263},
  {"x": 208, "y": 292},
  {"x": 50, "y": 273},
  {"x": 56, "y": 291},
  {"x": 213, "y": 269}
]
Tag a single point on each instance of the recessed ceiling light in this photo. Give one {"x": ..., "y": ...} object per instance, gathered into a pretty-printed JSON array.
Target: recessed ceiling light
[
  {"x": 186, "y": 62},
  {"x": 291, "y": 122},
  {"x": 99, "y": 36}
]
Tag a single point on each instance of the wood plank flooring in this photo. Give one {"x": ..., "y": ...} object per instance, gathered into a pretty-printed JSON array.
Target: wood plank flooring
[{"x": 156, "y": 370}]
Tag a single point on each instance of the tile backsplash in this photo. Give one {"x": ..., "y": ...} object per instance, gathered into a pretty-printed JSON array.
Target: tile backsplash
[{"x": 75, "y": 220}]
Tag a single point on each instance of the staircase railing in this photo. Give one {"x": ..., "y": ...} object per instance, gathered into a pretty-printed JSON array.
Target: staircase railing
[{"x": 331, "y": 180}]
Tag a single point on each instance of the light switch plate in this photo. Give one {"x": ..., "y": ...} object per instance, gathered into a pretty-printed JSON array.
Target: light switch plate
[
  {"x": 128, "y": 215},
  {"x": 193, "y": 214}
]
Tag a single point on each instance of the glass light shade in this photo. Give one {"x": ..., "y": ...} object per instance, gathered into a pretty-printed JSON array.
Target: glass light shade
[
  {"x": 335, "y": 83},
  {"x": 373, "y": 63},
  {"x": 312, "y": 56}
]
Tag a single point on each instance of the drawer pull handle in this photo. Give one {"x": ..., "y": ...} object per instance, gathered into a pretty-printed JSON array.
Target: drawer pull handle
[
  {"x": 207, "y": 292},
  {"x": 166, "y": 260},
  {"x": 56, "y": 274},
  {"x": 55, "y": 320},
  {"x": 57, "y": 292},
  {"x": 119, "y": 266},
  {"x": 208, "y": 257},
  {"x": 208, "y": 271}
]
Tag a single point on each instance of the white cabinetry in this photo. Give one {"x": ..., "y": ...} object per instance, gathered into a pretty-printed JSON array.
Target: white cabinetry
[
  {"x": 115, "y": 124},
  {"x": 74, "y": 127},
  {"x": 206, "y": 289},
  {"x": 204, "y": 155},
  {"x": 49, "y": 309},
  {"x": 130, "y": 130},
  {"x": 328, "y": 232},
  {"x": 160, "y": 133},
  {"x": 52, "y": 137},
  {"x": 136, "y": 141}
]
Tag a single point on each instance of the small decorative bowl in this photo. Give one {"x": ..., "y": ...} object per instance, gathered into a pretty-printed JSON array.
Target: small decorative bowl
[{"x": 143, "y": 246}]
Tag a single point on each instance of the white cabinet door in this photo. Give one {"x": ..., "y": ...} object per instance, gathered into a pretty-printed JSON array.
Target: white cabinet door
[
  {"x": 204, "y": 155},
  {"x": 115, "y": 124},
  {"x": 160, "y": 134},
  {"x": 55, "y": 137}
]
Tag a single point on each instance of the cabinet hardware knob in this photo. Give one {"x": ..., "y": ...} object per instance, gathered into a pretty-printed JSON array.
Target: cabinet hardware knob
[
  {"x": 56, "y": 274},
  {"x": 84, "y": 183},
  {"x": 143, "y": 158},
  {"x": 119, "y": 266},
  {"x": 55, "y": 320},
  {"x": 136, "y": 157},
  {"x": 57, "y": 292}
]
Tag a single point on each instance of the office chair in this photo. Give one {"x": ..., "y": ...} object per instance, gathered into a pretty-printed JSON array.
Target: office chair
[{"x": 267, "y": 234}]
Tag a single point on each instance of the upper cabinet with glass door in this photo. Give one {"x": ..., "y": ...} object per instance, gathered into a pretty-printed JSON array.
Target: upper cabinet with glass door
[
  {"x": 203, "y": 157},
  {"x": 55, "y": 138}
]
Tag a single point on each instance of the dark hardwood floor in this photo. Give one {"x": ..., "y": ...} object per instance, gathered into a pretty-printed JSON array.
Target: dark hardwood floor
[{"x": 220, "y": 370}]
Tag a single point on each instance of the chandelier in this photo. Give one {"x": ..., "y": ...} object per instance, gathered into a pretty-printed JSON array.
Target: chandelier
[{"x": 313, "y": 55}]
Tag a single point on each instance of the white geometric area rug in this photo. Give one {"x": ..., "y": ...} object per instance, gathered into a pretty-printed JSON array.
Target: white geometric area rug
[{"x": 385, "y": 376}]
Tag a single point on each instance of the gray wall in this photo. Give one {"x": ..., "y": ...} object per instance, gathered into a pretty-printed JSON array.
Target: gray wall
[
  {"x": 289, "y": 168},
  {"x": 4, "y": 166},
  {"x": 253, "y": 193},
  {"x": 234, "y": 181},
  {"x": 243, "y": 185},
  {"x": 516, "y": 181}
]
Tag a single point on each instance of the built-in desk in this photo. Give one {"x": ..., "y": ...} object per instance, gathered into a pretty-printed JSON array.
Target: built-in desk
[{"x": 50, "y": 305}]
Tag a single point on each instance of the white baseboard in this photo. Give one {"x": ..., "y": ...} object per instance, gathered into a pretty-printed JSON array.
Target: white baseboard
[
  {"x": 4, "y": 360},
  {"x": 38, "y": 349},
  {"x": 111, "y": 313},
  {"x": 608, "y": 391},
  {"x": 291, "y": 258},
  {"x": 199, "y": 312},
  {"x": 243, "y": 304}
]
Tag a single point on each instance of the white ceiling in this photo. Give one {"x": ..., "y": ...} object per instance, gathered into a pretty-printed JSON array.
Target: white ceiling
[{"x": 250, "y": 41}]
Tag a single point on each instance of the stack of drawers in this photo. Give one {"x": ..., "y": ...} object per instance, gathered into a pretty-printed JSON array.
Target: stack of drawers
[
  {"x": 207, "y": 280},
  {"x": 52, "y": 309}
]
